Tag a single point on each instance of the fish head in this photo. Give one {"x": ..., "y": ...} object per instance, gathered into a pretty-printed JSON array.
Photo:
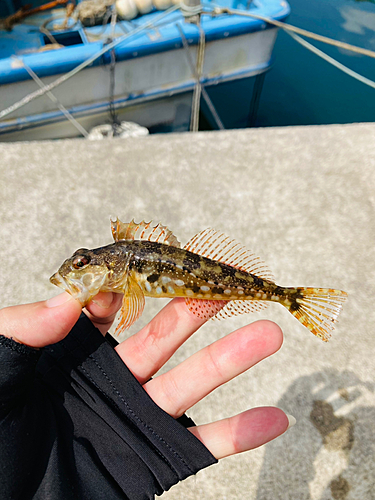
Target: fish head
[{"x": 83, "y": 274}]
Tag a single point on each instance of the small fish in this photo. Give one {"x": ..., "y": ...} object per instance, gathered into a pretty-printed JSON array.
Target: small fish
[{"x": 216, "y": 276}]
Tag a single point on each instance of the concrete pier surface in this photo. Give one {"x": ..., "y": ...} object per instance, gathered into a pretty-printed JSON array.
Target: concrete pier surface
[{"x": 302, "y": 198}]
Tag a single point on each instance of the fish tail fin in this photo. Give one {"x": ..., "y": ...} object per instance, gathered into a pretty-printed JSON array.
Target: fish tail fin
[{"x": 317, "y": 309}]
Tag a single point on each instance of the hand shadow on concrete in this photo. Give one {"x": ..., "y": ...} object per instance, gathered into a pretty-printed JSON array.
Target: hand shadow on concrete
[{"x": 330, "y": 453}]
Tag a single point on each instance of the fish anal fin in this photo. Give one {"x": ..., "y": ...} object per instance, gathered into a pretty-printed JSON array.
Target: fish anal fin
[
  {"x": 205, "y": 309},
  {"x": 216, "y": 246},
  {"x": 132, "y": 307},
  {"x": 236, "y": 307},
  {"x": 143, "y": 231},
  {"x": 221, "y": 309}
]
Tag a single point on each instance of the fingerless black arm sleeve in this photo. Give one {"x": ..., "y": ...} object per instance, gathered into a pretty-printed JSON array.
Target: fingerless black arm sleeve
[{"x": 76, "y": 424}]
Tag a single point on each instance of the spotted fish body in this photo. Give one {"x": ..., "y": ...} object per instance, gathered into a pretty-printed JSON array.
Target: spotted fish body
[
  {"x": 216, "y": 276},
  {"x": 163, "y": 271}
]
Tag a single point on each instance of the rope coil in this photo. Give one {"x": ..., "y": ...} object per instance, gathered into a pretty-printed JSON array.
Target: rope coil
[{"x": 190, "y": 10}]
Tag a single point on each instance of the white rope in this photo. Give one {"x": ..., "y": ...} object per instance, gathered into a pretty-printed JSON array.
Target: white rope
[
  {"x": 332, "y": 61},
  {"x": 190, "y": 10},
  {"x": 300, "y": 31},
  {"x": 54, "y": 99},
  {"x": 206, "y": 97},
  {"x": 292, "y": 30},
  {"x": 83, "y": 65},
  {"x": 196, "y": 101}
]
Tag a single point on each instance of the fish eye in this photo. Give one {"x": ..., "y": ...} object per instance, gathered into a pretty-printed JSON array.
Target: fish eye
[{"x": 80, "y": 261}]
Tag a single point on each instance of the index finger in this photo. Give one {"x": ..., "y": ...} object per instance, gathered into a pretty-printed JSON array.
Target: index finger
[{"x": 147, "y": 351}]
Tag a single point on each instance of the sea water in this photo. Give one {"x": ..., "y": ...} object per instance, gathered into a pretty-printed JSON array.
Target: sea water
[{"x": 303, "y": 89}]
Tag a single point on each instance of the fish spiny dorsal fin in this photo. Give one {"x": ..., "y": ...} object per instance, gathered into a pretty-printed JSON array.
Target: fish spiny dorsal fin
[
  {"x": 216, "y": 246},
  {"x": 143, "y": 231},
  {"x": 124, "y": 231}
]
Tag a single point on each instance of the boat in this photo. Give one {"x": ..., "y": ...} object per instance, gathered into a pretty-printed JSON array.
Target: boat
[{"x": 62, "y": 73}]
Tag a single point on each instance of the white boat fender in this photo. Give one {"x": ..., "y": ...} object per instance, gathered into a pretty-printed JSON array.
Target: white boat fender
[
  {"x": 162, "y": 4},
  {"x": 126, "y": 9},
  {"x": 144, "y": 6}
]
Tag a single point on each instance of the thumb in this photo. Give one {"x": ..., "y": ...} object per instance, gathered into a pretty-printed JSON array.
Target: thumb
[{"x": 41, "y": 323}]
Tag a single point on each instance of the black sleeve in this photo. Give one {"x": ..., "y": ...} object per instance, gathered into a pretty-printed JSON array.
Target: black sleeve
[{"x": 76, "y": 424}]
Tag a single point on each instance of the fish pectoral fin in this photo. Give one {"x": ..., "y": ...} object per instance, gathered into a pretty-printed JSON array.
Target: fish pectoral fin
[
  {"x": 216, "y": 246},
  {"x": 221, "y": 309},
  {"x": 132, "y": 307},
  {"x": 143, "y": 231}
]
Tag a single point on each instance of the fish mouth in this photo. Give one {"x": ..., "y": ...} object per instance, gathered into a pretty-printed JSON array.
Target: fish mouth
[
  {"x": 56, "y": 279},
  {"x": 76, "y": 289},
  {"x": 82, "y": 288}
]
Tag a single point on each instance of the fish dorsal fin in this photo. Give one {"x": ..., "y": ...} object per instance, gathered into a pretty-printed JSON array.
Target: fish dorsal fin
[
  {"x": 216, "y": 246},
  {"x": 143, "y": 231}
]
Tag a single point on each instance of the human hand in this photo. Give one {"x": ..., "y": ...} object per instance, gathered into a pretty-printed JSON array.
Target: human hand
[
  {"x": 47, "y": 322},
  {"x": 146, "y": 352},
  {"x": 179, "y": 389}
]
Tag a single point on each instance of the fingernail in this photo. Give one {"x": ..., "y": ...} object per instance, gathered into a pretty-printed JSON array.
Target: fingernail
[
  {"x": 292, "y": 421},
  {"x": 58, "y": 300}
]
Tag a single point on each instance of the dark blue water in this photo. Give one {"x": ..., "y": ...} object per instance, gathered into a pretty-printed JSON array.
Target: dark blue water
[{"x": 303, "y": 89}]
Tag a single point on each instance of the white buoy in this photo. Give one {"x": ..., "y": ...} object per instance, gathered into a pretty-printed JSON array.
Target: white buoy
[
  {"x": 126, "y": 9},
  {"x": 125, "y": 129},
  {"x": 144, "y": 6},
  {"x": 162, "y": 4}
]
